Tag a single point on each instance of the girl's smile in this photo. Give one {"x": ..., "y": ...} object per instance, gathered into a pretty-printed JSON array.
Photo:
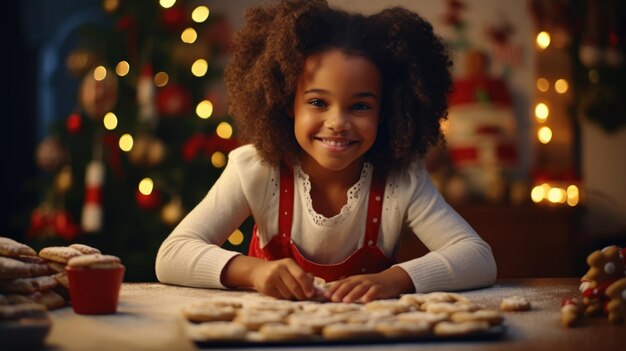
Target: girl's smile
[{"x": 336, "y": 111}]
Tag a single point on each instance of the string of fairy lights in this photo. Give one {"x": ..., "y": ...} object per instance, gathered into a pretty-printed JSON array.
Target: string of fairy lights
[{"x": 551, "y": 192}]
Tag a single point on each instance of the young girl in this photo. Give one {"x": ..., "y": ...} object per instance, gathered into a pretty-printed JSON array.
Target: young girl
[{"x": 338, "y": 111}]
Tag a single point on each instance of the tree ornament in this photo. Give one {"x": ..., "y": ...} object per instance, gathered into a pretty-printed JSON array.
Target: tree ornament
[
  {"x": 147, "y": 151},
  {"x": 92, "y": 208},
  {"x": 148, "y": 201},
  {"x": 63, "y": 180},
  {"x": 64, "y": 226},
  {"x": 174, "y": 18},
  {"x": 80, "y": 61},
  {"x": 173, "y": 100},
  {"x": 50, "y": 154},
  {"x": 74, "y": 123},
  {"x": 98, "y": 96},
  {"x": 590, "y": 54},
  {"x": 145, "y": 95},
  {"x": 173, "y": 211}
]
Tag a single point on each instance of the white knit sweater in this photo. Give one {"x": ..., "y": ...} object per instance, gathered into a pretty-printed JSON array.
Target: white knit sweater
[{"x": 192, "y": 254}]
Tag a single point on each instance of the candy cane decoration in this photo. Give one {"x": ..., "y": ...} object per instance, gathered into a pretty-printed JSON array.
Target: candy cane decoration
[{"x": 92, "y": 208}]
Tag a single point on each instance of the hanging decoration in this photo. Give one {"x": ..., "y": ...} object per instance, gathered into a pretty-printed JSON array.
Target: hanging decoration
[{"x": 92, "y": 208}]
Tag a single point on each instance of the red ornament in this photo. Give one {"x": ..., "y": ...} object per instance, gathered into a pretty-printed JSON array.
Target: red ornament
[
  {"x": 174, "y": 18},
  {"x": 38, "y": 222},
  {"x": 148, "y": 202},
  {"x": 64, "y": 226},
  {"x": 74, "y": 123},
  {"x": 173, "y": 100}
]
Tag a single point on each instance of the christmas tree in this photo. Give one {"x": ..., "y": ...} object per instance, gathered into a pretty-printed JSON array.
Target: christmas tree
[{"x": 149, "y": 134}]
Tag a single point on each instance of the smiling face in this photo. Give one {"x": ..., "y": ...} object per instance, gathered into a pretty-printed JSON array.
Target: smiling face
[{"x": 336, "y": 111}]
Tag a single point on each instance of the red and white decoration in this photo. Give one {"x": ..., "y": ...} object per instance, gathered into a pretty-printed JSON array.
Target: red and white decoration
[{"x": 92, "y": 208}]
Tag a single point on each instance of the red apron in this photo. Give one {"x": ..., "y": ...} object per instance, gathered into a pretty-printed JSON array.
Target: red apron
[{"x": 367, "y": 259}]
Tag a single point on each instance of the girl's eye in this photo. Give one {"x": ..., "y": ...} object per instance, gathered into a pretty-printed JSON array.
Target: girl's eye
[
  {"x": 361, "y": 106},
  {"x": 317, "y": 103}
]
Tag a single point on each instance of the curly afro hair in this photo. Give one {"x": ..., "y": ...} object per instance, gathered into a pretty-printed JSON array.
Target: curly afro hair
[{"x": 268, "y": 58}]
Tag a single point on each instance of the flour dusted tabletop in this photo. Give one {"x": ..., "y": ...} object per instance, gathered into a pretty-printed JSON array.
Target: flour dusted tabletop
[{"x": 149, "y": 318}]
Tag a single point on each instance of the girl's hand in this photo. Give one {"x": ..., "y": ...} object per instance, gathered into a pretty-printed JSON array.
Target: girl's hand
[
  {"x": 282, "y": 279},
  {"x": 364, "y": 288}
]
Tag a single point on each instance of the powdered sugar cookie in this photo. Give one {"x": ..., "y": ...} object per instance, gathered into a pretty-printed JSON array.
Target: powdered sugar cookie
[
  {"x": 515, "y": 303},
  {"x": 60, "y": 254},
  {"x": 207, "y": 312},
  {"x": 342, "y": 331},
  {"x": 28, "y": 285},
  {"x": 490, "y": 316},
  {"x": 12, "y": 248},
  {"x": 399, "y": 329},
  {"x": 84, "y": 249},
  {"x": 95, "y": 261},
  {"x": 217, "y": 331},
  {"x": 314, "y": 321},
  {"x": 284, "y": 332},
  {"x": 447, "y": 307},
  {"x": 363, "y": 317},
  {"x": 415, "y": 300},
  {"x": 450, "y": 329},
  {"x": 331, "y": 308}
]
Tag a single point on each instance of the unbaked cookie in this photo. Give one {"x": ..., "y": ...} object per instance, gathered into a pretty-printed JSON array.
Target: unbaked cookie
[
  {"x": 394, "y": 305},
  {"x": 284, "y": 332},
  {"x": 490, "y": 316},
  {"x": 253, "y": 320},
  {"x": 515, "y": 303},
  {"x": 208, "y": 313},
  {"x": 399, "y": 329},
  {"x": 343, "y": 331}
]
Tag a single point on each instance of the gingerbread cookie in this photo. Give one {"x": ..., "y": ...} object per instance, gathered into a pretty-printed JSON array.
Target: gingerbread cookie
[
  {"x": 571, "y": 312},
  {"x": 605, "y": 267},
  {"x": 514, "y": 304},
  {"x": 616, "y": 307},
  {"x": 60, "y": 254}
]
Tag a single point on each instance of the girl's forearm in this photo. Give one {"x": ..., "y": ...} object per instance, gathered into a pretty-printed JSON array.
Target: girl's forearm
[{"x": 238, "y": 272}]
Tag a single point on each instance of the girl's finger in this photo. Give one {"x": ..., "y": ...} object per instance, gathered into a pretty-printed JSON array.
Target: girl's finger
[
  {"x": 373, "y": 293},
  {"x": 303, "y": 288},
  {"x": 293, "y": 286},
  {"x": 343, "y": 289},
  {"x": 356, "y": 293}
]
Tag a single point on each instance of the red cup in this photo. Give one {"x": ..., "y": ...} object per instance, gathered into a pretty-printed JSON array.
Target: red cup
[{"x": 94, "y": 290}]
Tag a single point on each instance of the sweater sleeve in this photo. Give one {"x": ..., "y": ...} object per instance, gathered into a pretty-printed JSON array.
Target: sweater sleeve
[
  {"x": 459, "y": 258},
  {"x": 192, "y": 255}
]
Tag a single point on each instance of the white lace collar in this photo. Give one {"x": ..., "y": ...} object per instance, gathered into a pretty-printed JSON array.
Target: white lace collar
[{"x": 354, "y": 193}]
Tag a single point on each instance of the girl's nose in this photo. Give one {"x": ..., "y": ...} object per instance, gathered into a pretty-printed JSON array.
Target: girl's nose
[{"x": 338, "y": 122}]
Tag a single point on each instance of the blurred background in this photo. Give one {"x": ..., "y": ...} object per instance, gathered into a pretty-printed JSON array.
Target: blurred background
[{"x": 117, "y": 124}]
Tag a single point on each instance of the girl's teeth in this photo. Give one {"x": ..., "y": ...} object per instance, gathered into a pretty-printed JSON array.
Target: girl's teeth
[{"x": 336, "y": 143}]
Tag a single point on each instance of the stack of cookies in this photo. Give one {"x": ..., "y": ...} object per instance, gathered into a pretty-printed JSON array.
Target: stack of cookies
[
  {"x": 438, "y": 315},
  {"x": 57, "y": 258},
  {"x": 25, "y": 277}
]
